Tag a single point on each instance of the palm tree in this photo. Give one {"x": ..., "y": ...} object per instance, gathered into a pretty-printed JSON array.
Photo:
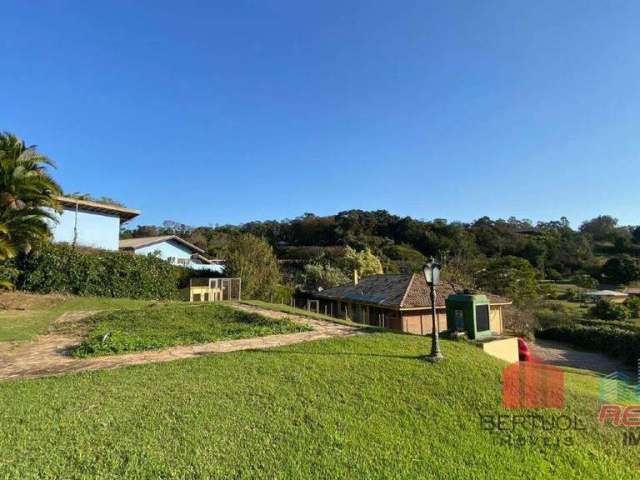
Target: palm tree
[{"x": 27, "y": 196}]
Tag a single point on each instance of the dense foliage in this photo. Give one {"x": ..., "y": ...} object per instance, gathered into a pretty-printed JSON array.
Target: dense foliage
[
  {"x": 66, "y": 269},
  {"x": 27, "y": 199},
  {"x": 610, "y": 311},
  {"x": 253, "y": 260},
  {"x": 402, "y": 244}
]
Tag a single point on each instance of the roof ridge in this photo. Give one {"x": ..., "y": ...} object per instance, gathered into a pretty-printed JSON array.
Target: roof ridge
[{"x": 404, "y": 297}]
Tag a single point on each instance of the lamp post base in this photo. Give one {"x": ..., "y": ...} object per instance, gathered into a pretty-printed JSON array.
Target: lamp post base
[{"x": 434, "y": 358}]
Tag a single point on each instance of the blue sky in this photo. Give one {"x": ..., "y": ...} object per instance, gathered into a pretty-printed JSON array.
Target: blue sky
[{"x": 224, "y": 112}]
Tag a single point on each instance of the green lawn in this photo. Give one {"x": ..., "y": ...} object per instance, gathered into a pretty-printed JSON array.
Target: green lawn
[
  {"x": 353, "y": 407},
  {"x": 42, "y": 310},
  {"x": 161, "y": 326}
]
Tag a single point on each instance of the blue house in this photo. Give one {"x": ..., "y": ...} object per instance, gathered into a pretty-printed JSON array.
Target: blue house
[
  {"x": 90, "y": 224},
  {"x": 173, "y": 249}
]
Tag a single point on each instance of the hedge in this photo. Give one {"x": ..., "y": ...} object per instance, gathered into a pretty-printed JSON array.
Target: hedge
[
  {"x": 612, "y": 340},
  {"x": 622, "y": 324},
  {"x": 63, "y": 268}
]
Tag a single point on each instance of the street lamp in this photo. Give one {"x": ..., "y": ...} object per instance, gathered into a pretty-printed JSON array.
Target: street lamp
[{"x": 432, "y": 276}]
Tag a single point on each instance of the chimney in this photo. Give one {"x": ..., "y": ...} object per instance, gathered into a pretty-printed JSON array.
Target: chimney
[{"x": 355, "y": 277}]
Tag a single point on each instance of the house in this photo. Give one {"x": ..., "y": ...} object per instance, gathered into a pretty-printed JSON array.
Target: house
[
  {"x": 90, "y": 224},
  {"x": 173, "y": 249},
  {"x": 608, "y": 295},
  {"x": 399, "y": 302}
]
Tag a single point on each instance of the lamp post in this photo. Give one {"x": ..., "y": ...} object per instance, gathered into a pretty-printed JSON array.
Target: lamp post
[{"x": 432, "y": 276}]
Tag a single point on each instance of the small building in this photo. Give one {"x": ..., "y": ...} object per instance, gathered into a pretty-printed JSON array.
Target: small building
[
  {"x": 399, "y": 302},
  {"x": 90, "y": 224},
  {"x": 174, "y": 250},
  {"x": 608, "y": 295},
  {"x": 214, "y": 289}
]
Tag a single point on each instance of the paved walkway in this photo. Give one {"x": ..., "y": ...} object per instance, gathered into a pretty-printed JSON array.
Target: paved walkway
[
  {"x": 48, "y": 354},
  {"x": 563, "y": 355}
]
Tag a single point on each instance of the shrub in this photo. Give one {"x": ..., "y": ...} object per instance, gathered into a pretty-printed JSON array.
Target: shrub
[
  {"x": 609, "y": 311},
  {"x": 88, "y": 272},
  {"x": 618, "y": 342},
  {"x": 633, "y": 304},
  {"x": 252, "y": 259}
]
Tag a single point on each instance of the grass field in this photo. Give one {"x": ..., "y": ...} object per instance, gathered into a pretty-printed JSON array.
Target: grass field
[
  {"x": 161, "y": 326},
  {"x": 28, "y": 315},
  {"x": 354, "y": 407}
]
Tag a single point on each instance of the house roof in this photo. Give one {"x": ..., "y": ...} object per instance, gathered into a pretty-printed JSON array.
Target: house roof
[
  {"x": 136, "y": 243},
  {"x": 605, "y": 293},
  {"x": 397, "y": 291},
  {"x": 124, "y": 213}
]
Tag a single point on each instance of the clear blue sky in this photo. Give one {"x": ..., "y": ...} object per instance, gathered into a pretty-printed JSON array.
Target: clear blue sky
[{"x": 224, "y": 112}]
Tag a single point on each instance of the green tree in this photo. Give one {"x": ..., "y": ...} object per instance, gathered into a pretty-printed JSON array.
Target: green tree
[
  {"x": 622, "y": 269},
  {"x": 27, "y": 197},
  {"x": 510, "y": 276},
  {"x": 602, "y": 228},
  {"x": 317, "y": 275},
  {"x": 365, "y": 262},
  {"x": 610, "y": 311},
  {"x": 252, "y": 259}
]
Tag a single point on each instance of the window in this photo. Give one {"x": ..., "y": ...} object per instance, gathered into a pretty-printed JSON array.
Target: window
[{"x": 183, "y": 261}]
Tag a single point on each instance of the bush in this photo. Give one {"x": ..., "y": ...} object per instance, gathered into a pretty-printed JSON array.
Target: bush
[
  {"x": 80, "y": 271},
  {"x": 618, "y": 342},
  {"x": 622, "y": 324},
  {"x": 609, "y": 311},
  {"x": 633, "y": 304},
  {"x": 252, "y": 259}
]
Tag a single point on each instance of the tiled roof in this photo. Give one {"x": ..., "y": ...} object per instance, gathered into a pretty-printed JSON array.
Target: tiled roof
[{"x": 400, "y": 291}]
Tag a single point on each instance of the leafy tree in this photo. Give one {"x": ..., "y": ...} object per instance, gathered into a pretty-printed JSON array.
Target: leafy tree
[
  {"x": 622, "y": 269},
  {"x": 622, "y": 239},
  {"x": 610, "y": 311},
  {"x": 27, "y": 197},
  {"x": 252, "y": 259},
  {"x": 317, "y": 276},
  {"x": 633, "y": 304},
  {"x": 510, "y": 276},
  {"x": 365, "y": 262},
  {"x": 601, "y": 228}
]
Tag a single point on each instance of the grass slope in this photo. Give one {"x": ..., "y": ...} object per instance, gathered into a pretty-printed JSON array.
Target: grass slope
[
  {"x": 354, "y": 407},
  {"x": 161, "y": 326},
  {"x": 30, "y": 315}
]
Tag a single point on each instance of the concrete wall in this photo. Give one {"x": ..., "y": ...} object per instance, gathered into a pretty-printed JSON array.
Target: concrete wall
[
  {"x": 97, "y": 230},
  {"x": 505, "y": 349}
]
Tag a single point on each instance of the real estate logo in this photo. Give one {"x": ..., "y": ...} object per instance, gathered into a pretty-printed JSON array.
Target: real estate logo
[
  {"x": 532, "y": 385},
  {"x": 620, "y": 400}
]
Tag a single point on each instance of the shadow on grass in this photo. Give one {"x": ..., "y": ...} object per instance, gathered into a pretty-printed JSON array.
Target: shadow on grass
[{"x": 278, "y": 351}]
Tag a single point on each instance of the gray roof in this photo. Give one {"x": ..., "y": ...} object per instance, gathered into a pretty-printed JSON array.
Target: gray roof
[
  {"x": 135, "y": 243},
  {"x": 398, "y": 291}
]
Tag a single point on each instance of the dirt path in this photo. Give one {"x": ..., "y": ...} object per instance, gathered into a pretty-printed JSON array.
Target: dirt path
[
  {"x": 47, "y": 354},
  {"x": 563, "y": 355}
]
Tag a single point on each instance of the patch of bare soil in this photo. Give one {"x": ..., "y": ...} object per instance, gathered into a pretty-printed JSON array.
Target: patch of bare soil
[{"x": 28, "y": 301}]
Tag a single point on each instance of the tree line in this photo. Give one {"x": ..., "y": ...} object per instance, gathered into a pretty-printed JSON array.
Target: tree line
[{"x": 600, "y": 250}]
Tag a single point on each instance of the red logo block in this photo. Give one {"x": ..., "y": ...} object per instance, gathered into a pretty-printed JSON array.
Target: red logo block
[{"x": 532, "y": 385}]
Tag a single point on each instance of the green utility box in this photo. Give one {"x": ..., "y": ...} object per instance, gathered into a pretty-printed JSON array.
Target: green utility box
[{"x": 470, "y": 313}]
